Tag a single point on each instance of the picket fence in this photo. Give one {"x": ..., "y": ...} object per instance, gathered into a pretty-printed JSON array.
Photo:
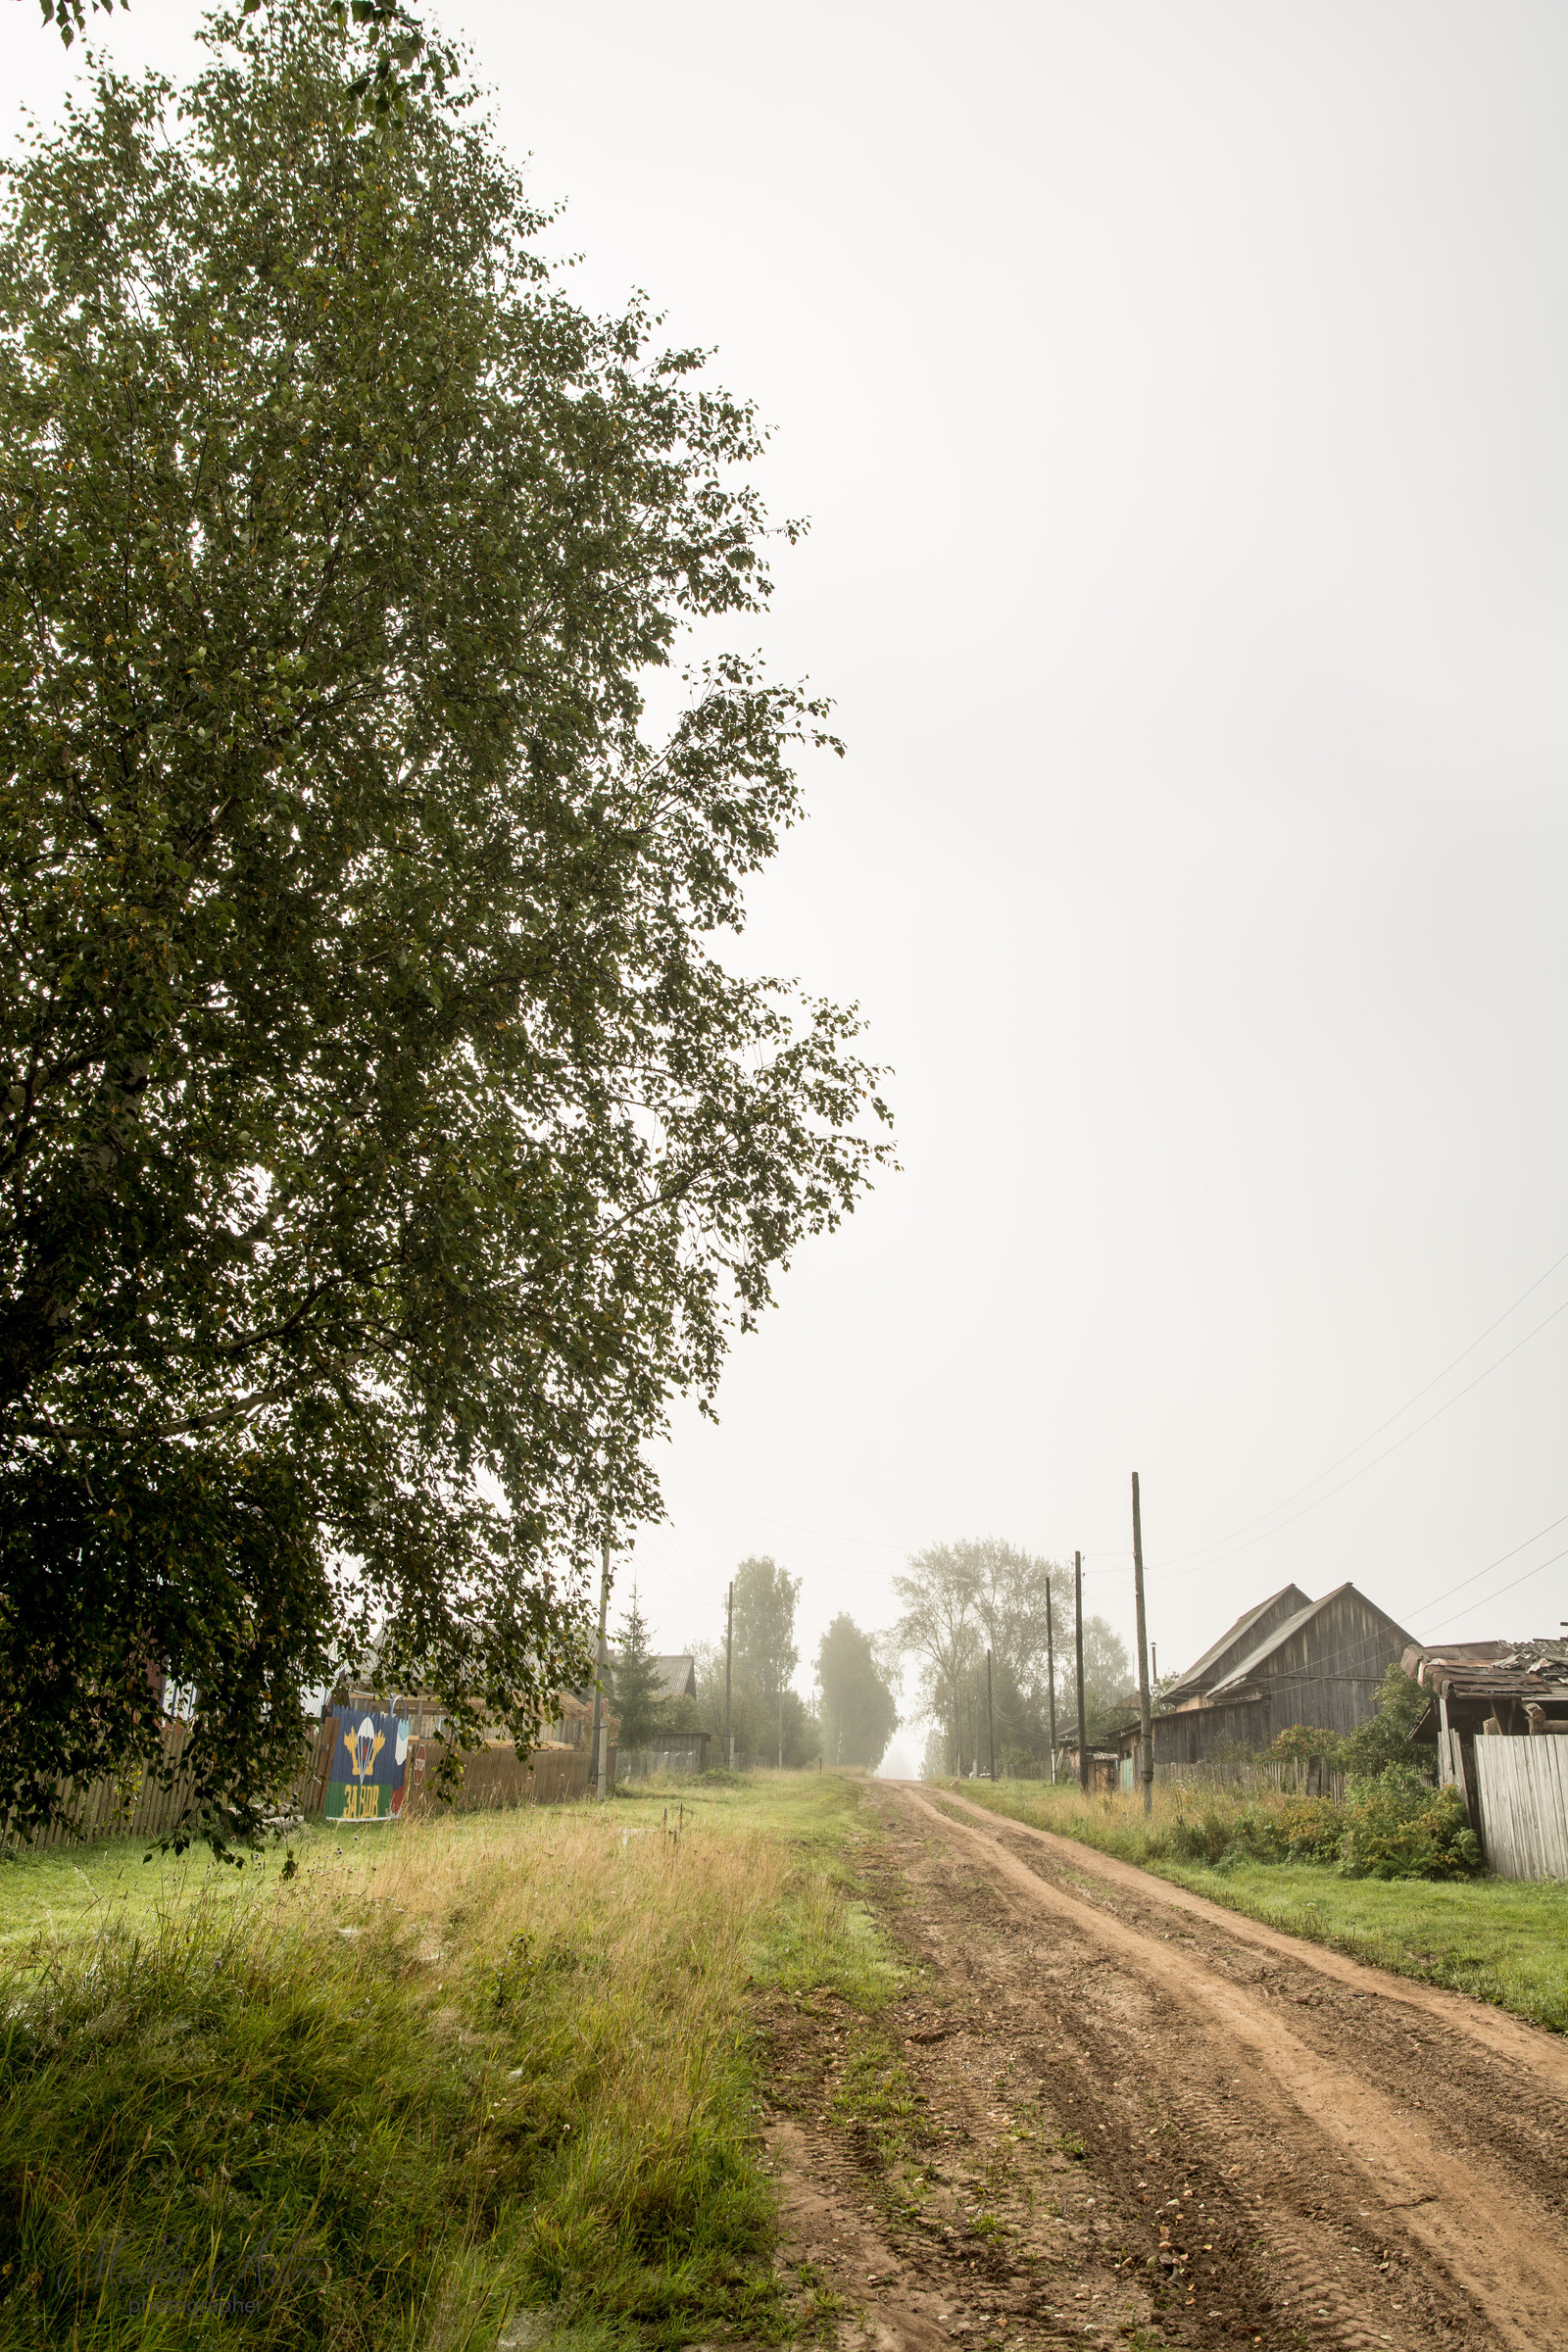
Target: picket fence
[{"x": 1523, "y": 1787}]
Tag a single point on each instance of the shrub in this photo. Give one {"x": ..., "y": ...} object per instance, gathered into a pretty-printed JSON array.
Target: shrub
[
  {"x": 1396, "y": 1827},
  {"x": 1384, "y": 1739}
]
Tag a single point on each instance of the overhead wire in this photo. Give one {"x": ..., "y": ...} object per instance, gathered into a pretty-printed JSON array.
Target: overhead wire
[
  {"x": 1203, "y": 1549},
  {"x": 1437, "y": 1602},
  {"x": 1203, "y": 1566},
  {"x": 1486, "y": 1598}
]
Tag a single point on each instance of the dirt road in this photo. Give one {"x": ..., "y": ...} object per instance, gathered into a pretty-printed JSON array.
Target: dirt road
[{"x": 1130, "y": 2115}]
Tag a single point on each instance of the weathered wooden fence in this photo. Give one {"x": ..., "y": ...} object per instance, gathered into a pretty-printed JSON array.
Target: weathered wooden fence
[
  {"x": 684, "y": 1752},
  {"x": 139, "y": 1807},
  {"x": 494, "y": 1777},
  {"x": 1523, "y": 1787}
]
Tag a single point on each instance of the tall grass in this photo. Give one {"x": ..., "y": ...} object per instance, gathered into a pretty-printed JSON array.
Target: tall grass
[{"x": 477, "y": 2065}]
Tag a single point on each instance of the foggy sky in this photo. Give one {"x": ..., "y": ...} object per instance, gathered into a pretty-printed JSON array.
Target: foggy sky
[{"x": 1177, "y": 395}]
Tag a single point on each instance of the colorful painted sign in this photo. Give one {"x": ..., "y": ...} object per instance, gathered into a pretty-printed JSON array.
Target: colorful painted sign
[{"x": 365, "y": 1781}]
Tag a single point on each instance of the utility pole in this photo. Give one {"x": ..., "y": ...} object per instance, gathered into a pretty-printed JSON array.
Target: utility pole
[
  {"x": 729, "y": 1652},
  {"x": 1147, "y": 1742},
  {"x": 991, "y": 1718},
  {"x": 1078, "y": 1619},
  {"x": 1051, "y": 1678},
  {"x": 600, "y": 1749},
  {"x": 781, "y": 1727},
  {"x": 957, "y": 1723}
]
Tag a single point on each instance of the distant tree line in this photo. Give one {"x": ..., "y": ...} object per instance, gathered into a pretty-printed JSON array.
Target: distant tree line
[
  {"x": 854, "y": 1712},
  {"x": 960, "y": 1600}
]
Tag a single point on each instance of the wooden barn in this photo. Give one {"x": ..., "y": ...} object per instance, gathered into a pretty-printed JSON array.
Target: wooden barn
[{"x": 1290, "y": 1660}]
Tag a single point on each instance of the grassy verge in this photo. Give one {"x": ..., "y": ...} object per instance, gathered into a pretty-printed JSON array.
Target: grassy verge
[
  {"x": 444, "y": 2083},
  {"x": 1503, "y": 1941}
]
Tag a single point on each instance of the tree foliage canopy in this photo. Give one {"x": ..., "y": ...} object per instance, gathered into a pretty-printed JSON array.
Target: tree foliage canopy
[
  {"x": 766, "y": 1599},
  {"x": 959, "y": 1600},
  {"x": 857, "y": 1711},
  {"x": 637, "y": 1687},
  {"x": 384, "y": 1139}
]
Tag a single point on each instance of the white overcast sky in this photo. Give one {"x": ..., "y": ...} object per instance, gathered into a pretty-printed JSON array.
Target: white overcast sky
[{"x": 1178, "y": 395}]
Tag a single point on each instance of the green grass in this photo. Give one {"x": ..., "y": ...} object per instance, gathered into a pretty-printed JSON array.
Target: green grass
[
  {"x": 451, "y": 2081},
  {"x": 62, "y": 1894},
  {"x": 1501, "y": 1940}
]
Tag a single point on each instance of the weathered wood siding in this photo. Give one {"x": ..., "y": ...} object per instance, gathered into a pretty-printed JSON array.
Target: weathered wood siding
[
  {"x": 1325, "y": 1674},
  {"x": 1284, "y": 1604},
  {"x": 1523, "y": 1806},
  {"x": 1196, "y": 1734}
]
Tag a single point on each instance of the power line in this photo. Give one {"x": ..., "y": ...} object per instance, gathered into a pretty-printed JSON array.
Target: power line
[
  {"x": 1203, "y": 1566},
  {"x": 1441, "y": 1598},
  {"x": 1426, "y": 1390},
  {"x": 1489, "y": 1597}
]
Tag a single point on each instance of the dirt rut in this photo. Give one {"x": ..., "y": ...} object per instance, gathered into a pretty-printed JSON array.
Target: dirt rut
[{"x": 1154, "y": 2121}]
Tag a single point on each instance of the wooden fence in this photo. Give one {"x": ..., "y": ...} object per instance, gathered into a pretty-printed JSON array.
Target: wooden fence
[
  {"x": 139, "y": 1807},
  {"x": 496, "y": 1778},
  {"x": 1523, "y": 1786},
  {"x": 492, "y": 1778}
]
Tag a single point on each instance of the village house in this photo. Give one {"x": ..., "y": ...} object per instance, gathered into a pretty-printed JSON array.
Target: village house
[{"x": 1290, "y": 1660}]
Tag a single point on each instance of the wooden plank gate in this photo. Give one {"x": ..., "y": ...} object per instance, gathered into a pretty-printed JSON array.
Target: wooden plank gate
[{"x": 1523, "y": 1806}]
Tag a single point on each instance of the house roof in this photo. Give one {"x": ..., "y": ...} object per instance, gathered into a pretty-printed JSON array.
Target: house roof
[
  {"x": 1474, "y": 1676},
  {"x": 1482, "y": 1660},
  {"x": 1256, "y": 1658},
  {"x": 1194, "y": 1681},
  {"x": 679, "y": 1672}
]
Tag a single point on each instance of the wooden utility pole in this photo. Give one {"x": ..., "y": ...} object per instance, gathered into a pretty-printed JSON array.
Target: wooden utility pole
[
  {"x": 1078, "y": 1621},
  {"x": 729, "y": 1652},
  {"x": 958, "y": 1722},
  {"x": 991, "y": 1717},
  {"x": 1146, "y": 1746},
  {"x": 781, "y": 1727},
  {"x": 600, "y": 1749},
  {"x": 1050, "y": 1676}
]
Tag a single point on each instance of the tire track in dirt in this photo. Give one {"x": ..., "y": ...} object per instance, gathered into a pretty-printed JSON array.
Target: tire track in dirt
[
  {"x": 1365, "y": 2178},
  {"x": 1501, "y": 2035}
]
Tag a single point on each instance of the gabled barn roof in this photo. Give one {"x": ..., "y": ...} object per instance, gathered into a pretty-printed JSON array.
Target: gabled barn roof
[
  {"x": 1200, "y": 1676},
  {"x": 1257, "y": 1660}
]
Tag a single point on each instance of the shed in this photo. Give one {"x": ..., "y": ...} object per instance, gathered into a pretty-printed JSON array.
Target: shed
[
  {"x": 1105, "y": 1767},
  {"x": 1497, "y": 1715},
  {"x": 1289, "y": 1661}
]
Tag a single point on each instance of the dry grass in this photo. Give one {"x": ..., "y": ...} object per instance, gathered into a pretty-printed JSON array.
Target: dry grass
[{"x": 440, "y": 2076}]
